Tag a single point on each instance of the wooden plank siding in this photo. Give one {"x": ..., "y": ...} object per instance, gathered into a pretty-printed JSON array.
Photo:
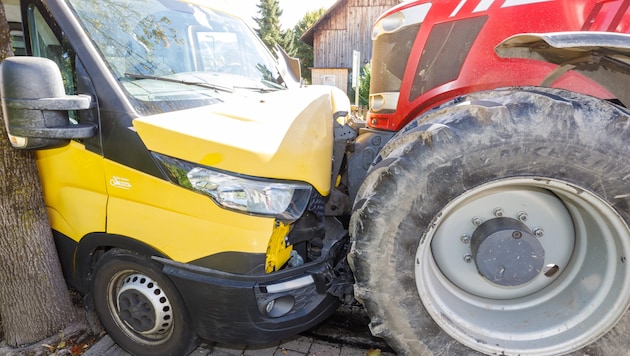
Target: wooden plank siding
[
  {"x": 337, "y": 77},
  {"x": 345, "y": 27}
]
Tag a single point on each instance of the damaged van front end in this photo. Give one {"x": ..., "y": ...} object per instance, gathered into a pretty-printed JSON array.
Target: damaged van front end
[{"x": 181, "y": 166}]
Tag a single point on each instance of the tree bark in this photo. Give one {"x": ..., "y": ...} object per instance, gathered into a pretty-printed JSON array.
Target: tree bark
[{"x": 34, "y": 299}]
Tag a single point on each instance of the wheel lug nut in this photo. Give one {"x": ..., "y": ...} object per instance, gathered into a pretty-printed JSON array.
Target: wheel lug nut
[
  {"x": 538, "y": 232},
  {"x": 522, "y": 216},
  {"x": 465, "y": 238},
  {"x": 498, "y": 212},
  {"x": 468, "y": 258},
  {"x": 550, "y": 269},
  {"x": 476, "y": 221}
]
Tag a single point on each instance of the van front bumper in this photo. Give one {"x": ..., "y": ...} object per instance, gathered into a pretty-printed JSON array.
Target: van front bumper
[{"x": 259, "y": 309}]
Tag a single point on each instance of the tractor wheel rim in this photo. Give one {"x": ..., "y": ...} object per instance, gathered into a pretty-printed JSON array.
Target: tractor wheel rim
[{"x": 582, "y": 282}]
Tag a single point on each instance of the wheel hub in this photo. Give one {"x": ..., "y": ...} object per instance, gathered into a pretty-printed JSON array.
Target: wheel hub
[
  {"x": 143, "y": 306},
  {"x": 506, "y": 252}
]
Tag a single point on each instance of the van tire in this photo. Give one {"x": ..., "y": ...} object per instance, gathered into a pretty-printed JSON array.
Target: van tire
[
  {"x": 149, "y": 301},
  {"x": 468, "y": 162}
]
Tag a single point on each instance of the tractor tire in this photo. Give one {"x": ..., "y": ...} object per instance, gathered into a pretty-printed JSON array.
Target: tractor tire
[
  {"x": 498, "y": 222},
  {"x": 139, "y": 307}
]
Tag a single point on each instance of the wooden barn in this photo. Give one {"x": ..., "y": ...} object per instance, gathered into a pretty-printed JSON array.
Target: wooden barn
[{"x": 344, "y": 28}]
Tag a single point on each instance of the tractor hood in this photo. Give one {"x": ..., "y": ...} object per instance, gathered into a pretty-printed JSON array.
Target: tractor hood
[{"x": 286, "y": 134}]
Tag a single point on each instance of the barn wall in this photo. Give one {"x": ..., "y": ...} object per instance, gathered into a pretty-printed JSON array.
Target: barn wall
[
  {"x": 345, "y": 28},
  {"x": 337, "y": 77},
  {"x": 348, "y": 27}
]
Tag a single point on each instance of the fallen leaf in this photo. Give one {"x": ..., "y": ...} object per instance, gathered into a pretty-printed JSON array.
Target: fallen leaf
[
  {"x": 78, "y": 349},
  {"x": 374, "y": 352}
]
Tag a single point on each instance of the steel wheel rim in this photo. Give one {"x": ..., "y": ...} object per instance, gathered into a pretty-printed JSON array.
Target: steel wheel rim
[
  {"x": 155, "y": 336},
  {"x": 591, "y": 291}
]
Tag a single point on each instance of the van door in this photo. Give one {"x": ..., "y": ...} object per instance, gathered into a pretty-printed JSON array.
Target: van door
[{"x": 72, "y": 176}]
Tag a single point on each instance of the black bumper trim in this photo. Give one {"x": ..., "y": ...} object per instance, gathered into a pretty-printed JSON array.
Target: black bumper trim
[{"x": 230, "y": 308}]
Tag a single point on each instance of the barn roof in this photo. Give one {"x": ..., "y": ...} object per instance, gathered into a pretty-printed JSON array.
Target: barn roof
[{"x": 308, "y": 36}]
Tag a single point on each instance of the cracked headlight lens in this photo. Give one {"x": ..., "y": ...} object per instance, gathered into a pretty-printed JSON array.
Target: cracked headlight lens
[{"x": 283, "y": 200}]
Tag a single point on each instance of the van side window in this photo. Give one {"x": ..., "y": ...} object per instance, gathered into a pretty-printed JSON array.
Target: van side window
[
  {"x": 45, "y": 44},
  {"x": 17, "y": 38}
]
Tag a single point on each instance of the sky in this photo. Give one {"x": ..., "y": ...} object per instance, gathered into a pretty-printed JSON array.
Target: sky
[{"x": 292, "y": 10}]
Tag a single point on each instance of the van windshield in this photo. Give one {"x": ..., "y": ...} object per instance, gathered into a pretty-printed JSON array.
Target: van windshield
[{"x": 171, "y": 54}]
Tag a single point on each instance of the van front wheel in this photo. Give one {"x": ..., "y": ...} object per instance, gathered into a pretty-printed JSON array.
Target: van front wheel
[{"x": 139, "y": 307}]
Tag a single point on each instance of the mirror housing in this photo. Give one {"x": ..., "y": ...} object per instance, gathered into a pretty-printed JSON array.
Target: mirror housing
[
  {"x": 289, "y": 68},
  {"x": 35, "y": 106}
]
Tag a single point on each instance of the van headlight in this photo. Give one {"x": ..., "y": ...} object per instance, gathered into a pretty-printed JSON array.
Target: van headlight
[{"x": 257, "y": 196}]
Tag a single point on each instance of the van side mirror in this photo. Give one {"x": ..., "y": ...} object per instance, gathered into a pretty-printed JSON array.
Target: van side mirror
[
  {"x": 35, "y": 105},
  {"x": 289, "y": 68}
]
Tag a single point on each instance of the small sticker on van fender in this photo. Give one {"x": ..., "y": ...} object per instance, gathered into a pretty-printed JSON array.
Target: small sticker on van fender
[{"x": 120, "y": 182}]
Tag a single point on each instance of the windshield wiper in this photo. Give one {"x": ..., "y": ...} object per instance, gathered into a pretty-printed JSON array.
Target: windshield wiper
[
  {"x": 271, "y": 86},
  {"x": 258, "y": 89},
  {"x": 178, "y": 81}
]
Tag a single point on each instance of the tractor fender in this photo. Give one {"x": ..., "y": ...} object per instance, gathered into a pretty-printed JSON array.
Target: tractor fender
[{"x": 603, "y": 57}]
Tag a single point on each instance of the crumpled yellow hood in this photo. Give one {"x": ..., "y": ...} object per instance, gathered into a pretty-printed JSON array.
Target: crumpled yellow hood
[{"x": 286, "y": 134}]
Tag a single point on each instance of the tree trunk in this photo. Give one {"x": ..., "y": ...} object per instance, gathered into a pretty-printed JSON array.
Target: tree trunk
[{"x": 34, "y": 299}]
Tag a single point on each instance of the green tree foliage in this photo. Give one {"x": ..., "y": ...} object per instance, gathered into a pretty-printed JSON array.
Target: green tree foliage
[
  {"x": 271, "y": 33},
  {"x": 298, "y": 48},
  {"x": 269, "y": 29},
  {"x": 364, "y": 85}
]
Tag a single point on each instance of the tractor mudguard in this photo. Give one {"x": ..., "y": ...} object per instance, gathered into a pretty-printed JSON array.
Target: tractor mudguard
[{"x": 601, "y": 56}]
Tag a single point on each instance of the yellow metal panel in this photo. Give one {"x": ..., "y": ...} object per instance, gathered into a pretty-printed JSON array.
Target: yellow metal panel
[
  {"x": 182, "y": 224},
  {"x": 286, "y": 135},
  {"x": 74, "y": 189},
  {"x": 278, "y": 251}
]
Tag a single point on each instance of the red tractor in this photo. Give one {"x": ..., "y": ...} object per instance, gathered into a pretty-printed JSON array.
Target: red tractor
[{"x": 495, "y": 207}]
